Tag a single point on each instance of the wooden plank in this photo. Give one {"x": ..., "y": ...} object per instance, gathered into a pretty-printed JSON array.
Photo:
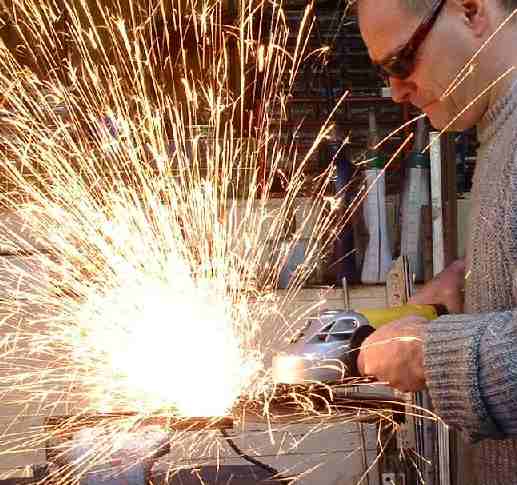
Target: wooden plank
[
  {"x": 437, "y": 202},
  {"x": 396, "y": 283}
]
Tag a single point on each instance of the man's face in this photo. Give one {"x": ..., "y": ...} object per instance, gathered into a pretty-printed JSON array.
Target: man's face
[{"x": 439, "y": 59}]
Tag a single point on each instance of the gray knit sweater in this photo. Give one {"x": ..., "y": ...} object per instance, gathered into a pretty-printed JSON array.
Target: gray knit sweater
[{"x": 471, "y": 359}]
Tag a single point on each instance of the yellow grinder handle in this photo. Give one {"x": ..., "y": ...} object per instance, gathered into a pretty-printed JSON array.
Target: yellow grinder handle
[{"x": 380, "y": 316}]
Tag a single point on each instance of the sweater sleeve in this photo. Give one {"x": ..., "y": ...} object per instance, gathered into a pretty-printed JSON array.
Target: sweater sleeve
[{"x": 471, "y": 372}]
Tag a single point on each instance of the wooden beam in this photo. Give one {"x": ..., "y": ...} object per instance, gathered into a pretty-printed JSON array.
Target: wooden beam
[{"x": 450, "y": 216}]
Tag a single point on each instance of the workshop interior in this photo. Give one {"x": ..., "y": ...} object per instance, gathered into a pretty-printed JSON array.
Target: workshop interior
[{"x": 193, "y": 189}]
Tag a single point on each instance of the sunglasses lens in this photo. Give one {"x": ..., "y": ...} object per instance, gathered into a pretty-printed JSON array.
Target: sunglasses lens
[
  {"x": 382, "y": 73},
  {"x": 399, "y": 68}
]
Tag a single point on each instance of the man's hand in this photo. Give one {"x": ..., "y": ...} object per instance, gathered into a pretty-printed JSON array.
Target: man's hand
[
  {"x": 446, "y": 288},
  {"x": 394, "y": 354}
]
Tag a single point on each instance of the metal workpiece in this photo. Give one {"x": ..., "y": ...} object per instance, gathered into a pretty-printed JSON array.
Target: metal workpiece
[
  {"x": 355, "y": 400},
  {"x": 70, "y": 424}
]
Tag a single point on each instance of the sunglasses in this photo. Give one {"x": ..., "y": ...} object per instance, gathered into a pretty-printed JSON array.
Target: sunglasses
[{"x": 401, "y": 64}]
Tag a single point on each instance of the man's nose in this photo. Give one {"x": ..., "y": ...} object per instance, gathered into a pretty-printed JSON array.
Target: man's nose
[{"x": 401, "y": 90}]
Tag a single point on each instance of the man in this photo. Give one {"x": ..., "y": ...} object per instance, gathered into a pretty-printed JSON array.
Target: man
[{"x": 467, "y": 361}]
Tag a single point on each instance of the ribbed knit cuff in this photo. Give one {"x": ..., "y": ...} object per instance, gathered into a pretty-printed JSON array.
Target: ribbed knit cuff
[{"x": 451, "y": 361}]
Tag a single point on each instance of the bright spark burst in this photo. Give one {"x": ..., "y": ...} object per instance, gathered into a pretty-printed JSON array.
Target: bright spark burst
[
  {"x": 139, "y": 158},
  {"x": 140, "y": 161}
]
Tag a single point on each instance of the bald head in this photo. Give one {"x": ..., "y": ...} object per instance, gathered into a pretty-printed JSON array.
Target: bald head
[
  {"x": 419, "y": 7},
  {"x": 458, "y": 31}
]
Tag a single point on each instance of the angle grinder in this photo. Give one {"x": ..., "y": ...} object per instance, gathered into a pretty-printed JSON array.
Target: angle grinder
[{"x": 325, "y": 349}]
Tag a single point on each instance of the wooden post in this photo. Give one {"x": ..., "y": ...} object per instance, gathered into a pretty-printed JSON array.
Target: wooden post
[
  {"x": 437, "y": 202},
  {"x": 427, "y": 246},
  {"x": 399, "y": 283},
  {"x": 444, "y": 439},
  {"x": 450, "y": 198},
  {"x": 399, "y": 287}
]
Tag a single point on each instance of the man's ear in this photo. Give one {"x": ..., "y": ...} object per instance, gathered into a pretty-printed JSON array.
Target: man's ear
[{"x": 475, "y": 14}]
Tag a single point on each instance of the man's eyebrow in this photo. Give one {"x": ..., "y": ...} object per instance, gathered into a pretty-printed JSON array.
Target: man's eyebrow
[
  {"x": 376, "y": 61},
  {"x": 382, "y": 59},
  {"x": 389, "y": 55}
]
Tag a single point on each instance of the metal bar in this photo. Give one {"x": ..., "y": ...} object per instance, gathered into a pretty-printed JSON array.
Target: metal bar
[
  {"x": 71, "y": 424},
  {"x": 294, "y": 405},
  {"x": 346, "y": 294},
  {"x": 444, "y": 447}
]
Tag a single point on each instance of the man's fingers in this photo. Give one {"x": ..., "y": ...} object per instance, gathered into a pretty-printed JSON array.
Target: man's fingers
[{"x": 393, "y": 354}]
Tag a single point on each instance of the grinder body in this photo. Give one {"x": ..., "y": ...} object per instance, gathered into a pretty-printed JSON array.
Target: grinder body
[{"x": 325, "y": 349}]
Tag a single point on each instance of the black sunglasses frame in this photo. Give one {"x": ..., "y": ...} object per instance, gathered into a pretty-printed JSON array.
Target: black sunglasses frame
[{"x": 401, "y": 64}]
